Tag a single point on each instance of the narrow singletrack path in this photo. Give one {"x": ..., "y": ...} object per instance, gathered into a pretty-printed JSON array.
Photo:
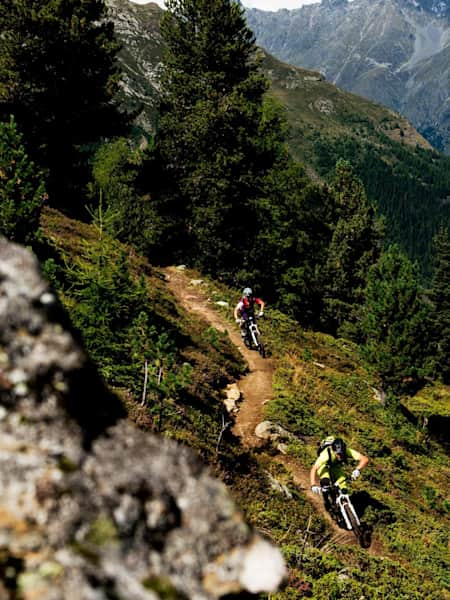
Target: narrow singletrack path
[{"x": 255, "y": 388}]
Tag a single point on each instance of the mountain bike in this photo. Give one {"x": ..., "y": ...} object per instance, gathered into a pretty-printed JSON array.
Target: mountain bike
[
  {"x": 343, "y": 512},
  {"x": 252, "y": 337}
]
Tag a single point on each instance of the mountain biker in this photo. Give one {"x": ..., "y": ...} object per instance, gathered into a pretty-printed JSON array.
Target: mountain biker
[
  {"x": 245, "y": 308},
  {"x": 329, "y": 466}
]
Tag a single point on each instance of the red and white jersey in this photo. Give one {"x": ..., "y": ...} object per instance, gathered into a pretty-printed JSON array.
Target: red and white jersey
[{"x": 247, "y": 304}]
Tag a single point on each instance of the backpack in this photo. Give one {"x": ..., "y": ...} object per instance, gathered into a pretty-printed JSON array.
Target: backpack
[{"x": 326, "y": 443}]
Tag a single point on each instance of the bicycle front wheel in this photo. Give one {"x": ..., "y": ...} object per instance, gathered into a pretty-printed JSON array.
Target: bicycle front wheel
[
  {"x": 261, "y": 349},
  {"x": 260, "y": 346},
  {"x": 361, "y": 534}
]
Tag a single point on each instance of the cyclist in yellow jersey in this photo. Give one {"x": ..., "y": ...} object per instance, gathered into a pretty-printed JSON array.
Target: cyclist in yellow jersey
[{"x": 329, "y": 466}]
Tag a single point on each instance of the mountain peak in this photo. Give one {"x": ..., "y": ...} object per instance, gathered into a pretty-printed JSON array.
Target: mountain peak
[
  {"x": 334, "y": 3},
  {"x": 440, "y": 8}
]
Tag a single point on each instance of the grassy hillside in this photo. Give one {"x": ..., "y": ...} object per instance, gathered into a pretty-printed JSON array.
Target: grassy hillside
[
  {"x": 322, "y": 387},
  {"x": 319, "y": 387},
  {"x": 190, "y": 412},
  {"x": 315, "y": 106}
]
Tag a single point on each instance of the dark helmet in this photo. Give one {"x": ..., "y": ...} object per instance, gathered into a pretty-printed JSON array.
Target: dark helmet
[
  {"x": 247, "y": 292},
  {"x": 339, "y": 448}
]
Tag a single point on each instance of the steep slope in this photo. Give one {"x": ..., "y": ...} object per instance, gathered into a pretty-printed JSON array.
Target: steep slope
[
  {"x": 90, "y": 506},
  {"x": 311, "y": 385},
  {"x": 395, "y": 52},
  {"x": 325, "y": 364}
]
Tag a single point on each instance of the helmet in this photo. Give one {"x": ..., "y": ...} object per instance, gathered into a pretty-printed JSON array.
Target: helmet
[
  {"x": 247, "y": 292},
  {"x": 339, "y": 448}
]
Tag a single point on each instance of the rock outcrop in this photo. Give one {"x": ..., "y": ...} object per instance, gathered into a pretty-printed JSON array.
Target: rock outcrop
[{"x": 91, "y": 507}]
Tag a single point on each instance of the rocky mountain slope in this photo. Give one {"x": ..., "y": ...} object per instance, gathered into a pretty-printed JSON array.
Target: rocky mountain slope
[
  {"x": 396, "y": 52},
  {"x": 137, "y": 27}
]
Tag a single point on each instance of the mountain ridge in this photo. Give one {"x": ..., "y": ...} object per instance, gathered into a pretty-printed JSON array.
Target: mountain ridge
[{"x": 395, "y": 52}]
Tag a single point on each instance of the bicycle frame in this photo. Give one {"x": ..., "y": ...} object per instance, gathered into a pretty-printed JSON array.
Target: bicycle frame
[
  {"x": 253, "y": 329},
  {"x": 253, "y": 336},
  {"x": 342, "y": 501}
]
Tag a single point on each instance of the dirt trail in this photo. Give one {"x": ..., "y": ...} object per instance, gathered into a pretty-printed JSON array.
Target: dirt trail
[{"x": 255, "y": 387}]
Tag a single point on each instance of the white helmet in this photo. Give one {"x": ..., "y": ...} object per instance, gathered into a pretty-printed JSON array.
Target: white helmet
[{"x": 247, "y": 292}]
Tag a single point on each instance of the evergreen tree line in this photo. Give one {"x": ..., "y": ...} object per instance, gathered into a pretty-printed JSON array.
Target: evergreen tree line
[
  {"x": 409, "y": 188},
  {"x": 216, "y": 187}
]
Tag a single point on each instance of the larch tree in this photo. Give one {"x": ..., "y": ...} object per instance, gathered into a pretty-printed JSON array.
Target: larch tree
[
  {"x": 218, "y": 140},
  {"x": 440, "y": 299},
  {"x": 354, "y": 247},
  {"x": 58, "y": 77},
  {"x": 395, "y": 322}
]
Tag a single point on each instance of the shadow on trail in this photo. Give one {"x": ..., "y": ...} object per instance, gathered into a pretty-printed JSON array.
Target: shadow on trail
[{"x": 365, "y": 504}]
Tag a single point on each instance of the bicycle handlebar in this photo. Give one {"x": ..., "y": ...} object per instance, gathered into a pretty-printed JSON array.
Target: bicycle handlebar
[{"x": 328, "y": 488}]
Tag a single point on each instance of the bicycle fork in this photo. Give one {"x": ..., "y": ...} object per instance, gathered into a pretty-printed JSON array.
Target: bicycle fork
[
  {"x": 254, "y": 331},
  {"x": 344, "y": 504}
]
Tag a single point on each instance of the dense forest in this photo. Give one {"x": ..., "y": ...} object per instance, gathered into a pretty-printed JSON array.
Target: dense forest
[
  {"x": 410, "y": 189},
  {"x": 217, "y": 189}
]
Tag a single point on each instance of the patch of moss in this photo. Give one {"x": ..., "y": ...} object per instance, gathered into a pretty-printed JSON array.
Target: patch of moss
[
  {"x": 102, "y": 531},
  {"x": 163, "y": 588},
  {"x": 431, "y": 400}
]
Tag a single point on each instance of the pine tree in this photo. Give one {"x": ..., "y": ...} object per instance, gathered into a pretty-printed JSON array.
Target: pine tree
[
  {"x": 58, "y": 78},
  {"x": 105, "y": 301},
  {"x": 440, "y": 299},
  {"x": 218, "y": 141},
  {"x": 354, "y": 246},
  {"x": 297, "y": 245},
  {"x": 116, "y": 168},
  {"x": 22, "y": 191},
  {"x": 132, "y": 346},
  {"x": 395, "y": 322}
]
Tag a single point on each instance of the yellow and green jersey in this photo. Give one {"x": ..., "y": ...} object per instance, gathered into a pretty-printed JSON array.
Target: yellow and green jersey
[{"x": 328, "y": 466}]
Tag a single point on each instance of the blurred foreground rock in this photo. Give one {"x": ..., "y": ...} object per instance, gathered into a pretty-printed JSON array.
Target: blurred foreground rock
[{"x": 90, "y": 507}]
